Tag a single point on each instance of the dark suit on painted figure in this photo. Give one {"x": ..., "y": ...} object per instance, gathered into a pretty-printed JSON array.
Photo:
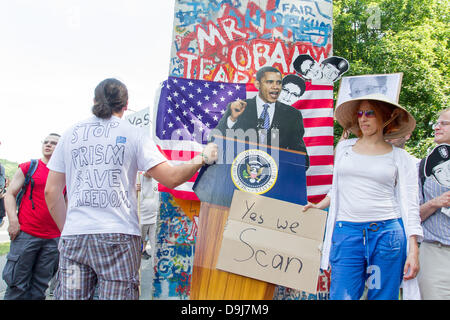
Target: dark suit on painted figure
[{"x": 286, "y": 119}]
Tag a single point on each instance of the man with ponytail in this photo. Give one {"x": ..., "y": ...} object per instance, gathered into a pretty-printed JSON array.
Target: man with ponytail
[{"x": 98, "y": 159}]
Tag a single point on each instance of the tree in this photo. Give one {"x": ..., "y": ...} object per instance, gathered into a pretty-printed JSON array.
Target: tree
[{"x": 409, "y": 36}]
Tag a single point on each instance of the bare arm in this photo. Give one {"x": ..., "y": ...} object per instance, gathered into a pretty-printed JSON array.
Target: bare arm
[
  {"x": 325, "y": 203},
  {"x": 173, "y": 176},
  {"x": 10, "y": 203},
  {"x": 54, "y": 197},
  {"x": 430, "y": 207},
  {"x": 411, "y": 268}
]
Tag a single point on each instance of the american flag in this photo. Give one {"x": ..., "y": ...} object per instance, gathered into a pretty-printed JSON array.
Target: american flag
[
  {"x": 189, "y": 109},
  {"x": 316, "y": 106}
]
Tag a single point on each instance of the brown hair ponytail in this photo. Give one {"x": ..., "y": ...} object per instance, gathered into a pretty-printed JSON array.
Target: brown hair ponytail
[{"x": 111, "y": 96}]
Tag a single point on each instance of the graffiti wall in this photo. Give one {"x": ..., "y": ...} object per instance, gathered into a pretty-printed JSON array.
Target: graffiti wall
[
  {"x": 174, "y": 252},
  {"x": 323, "y": 290},
  {"x": 228, "y": 41}
]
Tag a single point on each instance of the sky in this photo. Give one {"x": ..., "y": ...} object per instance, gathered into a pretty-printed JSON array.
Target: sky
[{"x": 53, "y": 53}]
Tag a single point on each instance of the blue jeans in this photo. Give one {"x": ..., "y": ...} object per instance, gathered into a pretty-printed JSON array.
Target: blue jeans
[{"x": 372, "y": 251}]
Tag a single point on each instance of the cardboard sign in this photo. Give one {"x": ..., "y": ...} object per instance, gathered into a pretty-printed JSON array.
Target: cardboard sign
[
  {"x": 140, "y": 119},
  {"x": 273, "y": 241}
]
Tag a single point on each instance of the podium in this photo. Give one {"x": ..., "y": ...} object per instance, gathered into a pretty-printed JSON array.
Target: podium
[{"x": 260, "y": 169}]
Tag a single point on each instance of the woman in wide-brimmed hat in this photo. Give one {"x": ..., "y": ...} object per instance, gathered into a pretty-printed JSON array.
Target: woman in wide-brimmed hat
[{"x": 373, "y": 204}]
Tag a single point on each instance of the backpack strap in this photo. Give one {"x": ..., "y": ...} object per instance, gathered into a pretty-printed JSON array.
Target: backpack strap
[
  {"x": 422, "y": 175},
  {"x": 28, "y": 178},
  {"x": 33, "y": 166}
]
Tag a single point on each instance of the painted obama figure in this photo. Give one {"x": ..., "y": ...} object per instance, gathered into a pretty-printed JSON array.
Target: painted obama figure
[{"x": 264, "y": 112}]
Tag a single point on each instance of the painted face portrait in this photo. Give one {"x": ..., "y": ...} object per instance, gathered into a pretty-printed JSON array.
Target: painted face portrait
[
  {"x": 330, "y": 72},
  {"x": 269, "y": 87},
  {"x": 292, "y": 89},
  {"x": 311, "y": 70},
  {"x": 437, "y": 165},
  {"x": 333, "y": 68},
  {"x": 290, "y": 94},
  {"x": 370, "y": 85},
  {"x": 441, "y": 173}
]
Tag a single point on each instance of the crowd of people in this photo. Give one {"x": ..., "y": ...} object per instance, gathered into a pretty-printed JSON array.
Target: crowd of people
[{"x": 81, "y": 221}]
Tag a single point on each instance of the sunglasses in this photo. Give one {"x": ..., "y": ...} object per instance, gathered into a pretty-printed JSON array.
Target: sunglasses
[
  {"x": 53, "y": 143},
  {"x": 367, "y": 113}
]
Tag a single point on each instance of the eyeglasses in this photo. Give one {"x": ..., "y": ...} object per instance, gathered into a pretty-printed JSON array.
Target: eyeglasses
[
  {"x": 53, "y": 143},
  {"x": 289, "y": 93},
  {"x": 368, "y": 113},
  {"x": 306, "y": 69},
  {"x": 440, "y": 124}
]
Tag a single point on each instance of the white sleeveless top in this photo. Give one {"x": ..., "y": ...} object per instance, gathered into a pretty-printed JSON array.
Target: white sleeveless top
[{"x": 366, "y": 187}]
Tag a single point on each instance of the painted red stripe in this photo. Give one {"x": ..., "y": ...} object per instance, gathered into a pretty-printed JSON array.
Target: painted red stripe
[
  {"x": 310, "y": 86},
  {"x": 313, "y": 104},
  {"x": 316, "y": 198},
  {"x": 319, "y": 180},
  {"x": 321, "y": 160},
  {"x": 318, "y": 141},
  {"x": 180, "y": 155},
  {"x": 250, "y": 87},
  {"x": 318, "y": 122},
  {"x": 194, "y": 177}
]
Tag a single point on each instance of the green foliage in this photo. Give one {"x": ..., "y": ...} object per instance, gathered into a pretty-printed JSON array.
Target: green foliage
[
  {"x": 10, "y": 167},
  {"x": 422, "y": 148},
  {"x": 408, "y": 36},
  {"x": 4, "y": 248}
]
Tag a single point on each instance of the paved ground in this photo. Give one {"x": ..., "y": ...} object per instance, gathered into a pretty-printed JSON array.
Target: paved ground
[
  {"x": 146, "y": 271},
  {"x": 4, "y": 237}
]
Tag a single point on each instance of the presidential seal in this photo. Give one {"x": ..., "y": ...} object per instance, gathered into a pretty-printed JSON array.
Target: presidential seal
[{"x": 254, "y": 171}]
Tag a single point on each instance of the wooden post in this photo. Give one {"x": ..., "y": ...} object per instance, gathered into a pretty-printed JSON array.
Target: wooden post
[{"x": 209, "y": 283}]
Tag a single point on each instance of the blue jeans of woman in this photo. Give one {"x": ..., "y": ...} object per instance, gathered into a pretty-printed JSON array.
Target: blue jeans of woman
[{"x": 369, "y": 251}]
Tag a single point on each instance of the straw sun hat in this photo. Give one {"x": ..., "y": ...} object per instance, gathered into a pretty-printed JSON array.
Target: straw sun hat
[{"x": 345, "y": 115}]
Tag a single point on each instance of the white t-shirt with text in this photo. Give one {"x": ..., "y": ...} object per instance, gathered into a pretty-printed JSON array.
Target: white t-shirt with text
[{"x": 100, "y": 159}]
